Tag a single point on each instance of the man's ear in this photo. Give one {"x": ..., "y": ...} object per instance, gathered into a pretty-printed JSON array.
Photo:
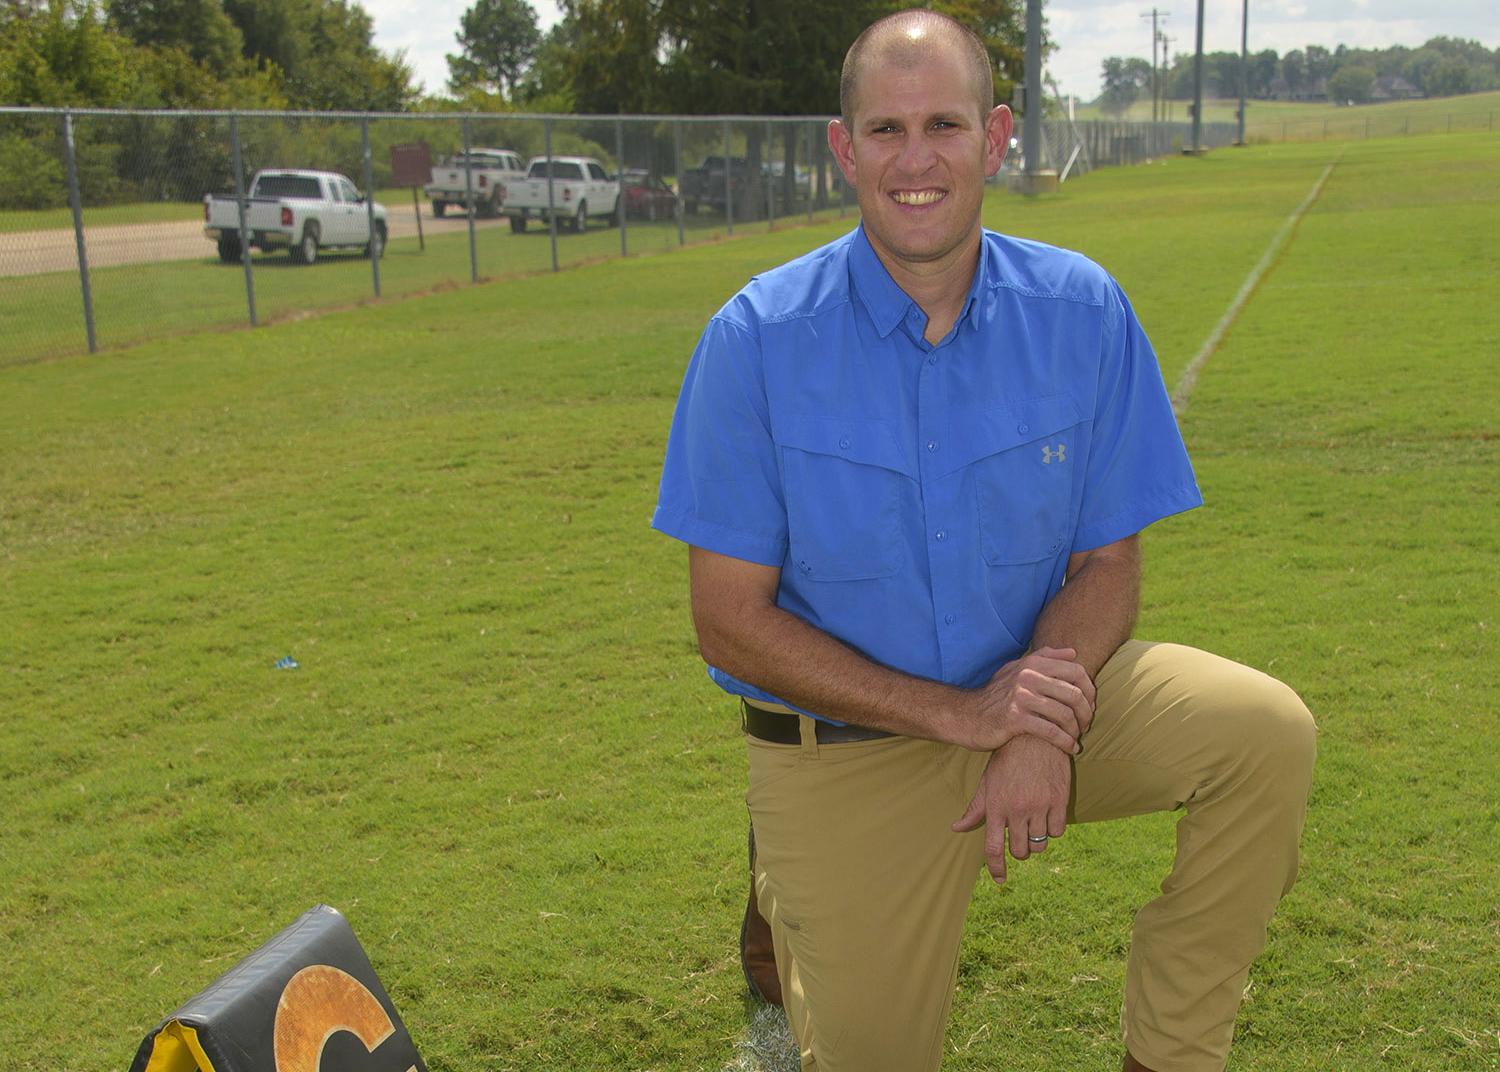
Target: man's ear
[
  {"x": 841, "y": 144},
  {"x": 997, "y": 129}
]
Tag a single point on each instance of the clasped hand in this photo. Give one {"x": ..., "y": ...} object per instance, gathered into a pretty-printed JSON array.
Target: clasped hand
[{"x": 1043, "y": 703}]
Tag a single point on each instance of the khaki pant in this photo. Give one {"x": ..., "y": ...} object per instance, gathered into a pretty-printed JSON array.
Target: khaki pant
[{"x": 866, "y": 887}]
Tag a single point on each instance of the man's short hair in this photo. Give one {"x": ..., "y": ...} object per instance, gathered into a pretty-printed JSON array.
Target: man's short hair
[{"x": 906, "y": 37}]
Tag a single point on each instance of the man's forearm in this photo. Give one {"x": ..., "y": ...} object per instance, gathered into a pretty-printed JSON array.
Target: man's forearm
[
  {"x": 1095, "y": 610},
  {"x": 779, "y": 652}
]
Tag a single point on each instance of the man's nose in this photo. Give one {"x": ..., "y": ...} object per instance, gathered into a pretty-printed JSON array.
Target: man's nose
[{"x": 917, "y": 154}]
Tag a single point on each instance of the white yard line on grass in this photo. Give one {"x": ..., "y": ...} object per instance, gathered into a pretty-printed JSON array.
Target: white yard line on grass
[{"x": 1189, "y": 377}]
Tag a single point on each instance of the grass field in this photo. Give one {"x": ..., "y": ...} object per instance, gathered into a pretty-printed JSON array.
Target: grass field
[
  {"x": 1296, "y": 120},
  {"x": 501, "y": 757}
]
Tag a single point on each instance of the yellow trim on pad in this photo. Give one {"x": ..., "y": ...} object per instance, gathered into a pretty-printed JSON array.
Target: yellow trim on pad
[{"x": 177, "y": 1049}]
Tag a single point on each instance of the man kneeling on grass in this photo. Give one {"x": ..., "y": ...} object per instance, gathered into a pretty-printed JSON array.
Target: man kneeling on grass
[{"x": 912, "y": 467}]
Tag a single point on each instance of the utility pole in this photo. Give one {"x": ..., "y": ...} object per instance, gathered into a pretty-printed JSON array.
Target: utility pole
[
  {"x": 1244, "y": 65},
  {"x": 1155, "y": 38},
  {"x": 1198, "y": 86},
  {"x": 1166, "y": 68}
]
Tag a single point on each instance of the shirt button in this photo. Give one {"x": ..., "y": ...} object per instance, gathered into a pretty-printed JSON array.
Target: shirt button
[
  {"x": 949, "y": 619},
  {"x": 932, "y": 360},
  {"x": 844, "y": 443},
  {"x": 1023, "y": 428},
  {"x": 932, "y": 444},
  {"x": 942, "y": 534}
]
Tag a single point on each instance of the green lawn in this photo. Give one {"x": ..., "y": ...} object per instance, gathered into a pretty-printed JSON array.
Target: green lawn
[
  {"x": 501, "y": 757},
  {"x": 1302, "y": 121}
]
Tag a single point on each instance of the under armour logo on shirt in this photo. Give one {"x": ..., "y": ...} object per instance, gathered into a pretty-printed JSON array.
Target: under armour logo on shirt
[{"x": 1060, "y": 454}]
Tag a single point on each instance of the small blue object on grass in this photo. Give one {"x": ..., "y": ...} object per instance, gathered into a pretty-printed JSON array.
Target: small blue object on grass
[{"x": 286, "y": 662}]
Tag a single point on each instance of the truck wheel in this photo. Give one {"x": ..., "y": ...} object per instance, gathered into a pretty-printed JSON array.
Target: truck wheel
[
  {"x": 491, "y": 208},
  {"x": 438, "y": 208},
  {"x": 581, "y": 218},
  {"x": 306, "y": 250},
  {"x": 517, "y": 224},
  {"x": 376, "y": 247},
  {"x": 229, "y": 249}
]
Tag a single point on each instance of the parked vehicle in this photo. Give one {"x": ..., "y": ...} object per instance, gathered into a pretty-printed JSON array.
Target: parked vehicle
[
  {"x": 580, "y": 189},
  {"x": 704, "y": 185},
  {"x": 647, "y": 196},
  {"x": 303, "y": 211},
  {"x": 491, "y": 171}
]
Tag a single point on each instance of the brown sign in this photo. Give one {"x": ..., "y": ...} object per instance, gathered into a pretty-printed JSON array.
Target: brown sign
[{"x": 411, "y": 165}]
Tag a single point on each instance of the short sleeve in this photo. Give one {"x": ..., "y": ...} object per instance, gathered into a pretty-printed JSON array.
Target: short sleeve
[
  {"x": 1138, "y": 469},
  {"x": 720, "y": 483}
]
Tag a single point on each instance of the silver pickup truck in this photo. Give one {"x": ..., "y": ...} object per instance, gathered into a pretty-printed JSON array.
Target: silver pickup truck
[
  {"x": 301, "y": 211},
  {"x": 491, "y": 171},
  {"x": 580, "y": 189}
]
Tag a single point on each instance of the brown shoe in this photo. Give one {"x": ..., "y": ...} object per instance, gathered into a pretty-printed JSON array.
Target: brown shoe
[{"x": 757, "y": 953}]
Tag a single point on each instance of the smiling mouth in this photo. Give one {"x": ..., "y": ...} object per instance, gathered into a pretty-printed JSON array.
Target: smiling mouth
[{"x": 918, "y": 197}]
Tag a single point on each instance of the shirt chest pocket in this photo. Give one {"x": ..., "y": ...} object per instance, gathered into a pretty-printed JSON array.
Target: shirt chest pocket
[
  {"x": 1026, "y": 460},
  {"x": 844, "y": 480}
]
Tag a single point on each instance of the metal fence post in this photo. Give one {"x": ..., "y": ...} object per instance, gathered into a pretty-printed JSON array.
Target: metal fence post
[
  {"x": 469, "y": 197},
  {"x": 620, "y": 180},
  {"x": 375, "y": 251},
  {"x": 809, "y": 131},
  {"x": 75, "y": 202},
  {"x": 551, "y": 203},
  {"x": 770, "y": 182},
  {"x": 728, "y": 184},
  {"x": 239, "y": 200},
  {"x": 677, "y": 177}
]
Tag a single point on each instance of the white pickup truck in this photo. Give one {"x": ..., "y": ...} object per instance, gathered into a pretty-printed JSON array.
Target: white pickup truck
[
  {"x": 580, "y": 189},
  {"x": 303, "y": 211},
  {"x": 492, "y": 171}
]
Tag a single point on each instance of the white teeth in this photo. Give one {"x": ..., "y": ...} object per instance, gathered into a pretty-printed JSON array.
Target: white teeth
[{"x": 918, "y": 197}]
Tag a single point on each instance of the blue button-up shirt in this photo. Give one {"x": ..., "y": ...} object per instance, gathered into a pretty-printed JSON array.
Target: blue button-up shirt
[{"x": 921, "y": 500}]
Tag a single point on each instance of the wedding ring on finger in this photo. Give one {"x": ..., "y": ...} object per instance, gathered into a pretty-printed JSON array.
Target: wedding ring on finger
[{"x": 1037, "y": 840}]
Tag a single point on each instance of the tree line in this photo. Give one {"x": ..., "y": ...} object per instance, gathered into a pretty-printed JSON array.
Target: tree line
[
  {"x": 762, "y": 57},
  {"x": 1443, "y": 67}
]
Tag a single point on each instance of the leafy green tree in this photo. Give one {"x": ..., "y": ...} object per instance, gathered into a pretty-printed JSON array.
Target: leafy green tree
[
  {"x": 325, "y": 52},
  {"x": 1352, "y": 84},
  {"x": 499, "y": 39},
  {"x": 1449, "y": 78},
  {"x": 547, "y": 85},
  {"x": 199, "y": 28},
  {"x": 614, "y": 66},
  {"x": 1124, "y": 81}
]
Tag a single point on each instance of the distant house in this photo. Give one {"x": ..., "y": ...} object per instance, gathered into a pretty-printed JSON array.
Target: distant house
[
  {"x": 1389, "y": 87},
  {"x": 1281, "y": 91}
]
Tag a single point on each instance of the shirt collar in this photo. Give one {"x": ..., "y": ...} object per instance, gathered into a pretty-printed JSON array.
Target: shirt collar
[{"x": 886, "y": 303}]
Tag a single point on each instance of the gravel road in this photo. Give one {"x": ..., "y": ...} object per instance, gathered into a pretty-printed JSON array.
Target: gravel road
[{"x": 35, "y": 252}]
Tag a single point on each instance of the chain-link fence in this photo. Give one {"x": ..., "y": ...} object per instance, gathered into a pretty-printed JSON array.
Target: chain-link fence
[
  {"x": 1354, "y": 126},
  {"x": 117, "y": 227}
]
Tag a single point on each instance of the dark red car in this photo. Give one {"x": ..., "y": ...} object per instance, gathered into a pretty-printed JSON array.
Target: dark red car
[{"x": 647, "y": 196}]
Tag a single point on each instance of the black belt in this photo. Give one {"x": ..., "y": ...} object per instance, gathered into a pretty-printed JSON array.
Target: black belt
[{"x": 779, "y": 728}]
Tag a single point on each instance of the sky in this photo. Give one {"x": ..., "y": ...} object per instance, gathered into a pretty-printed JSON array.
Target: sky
[{"x": 1085, "y": 31}]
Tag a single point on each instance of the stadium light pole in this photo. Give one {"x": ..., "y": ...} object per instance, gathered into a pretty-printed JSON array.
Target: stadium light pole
[
  {"x": 1244, "y": 65},
  {"x": 1198, "y": 86},
  {"x": 1031, "y": 129}
]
